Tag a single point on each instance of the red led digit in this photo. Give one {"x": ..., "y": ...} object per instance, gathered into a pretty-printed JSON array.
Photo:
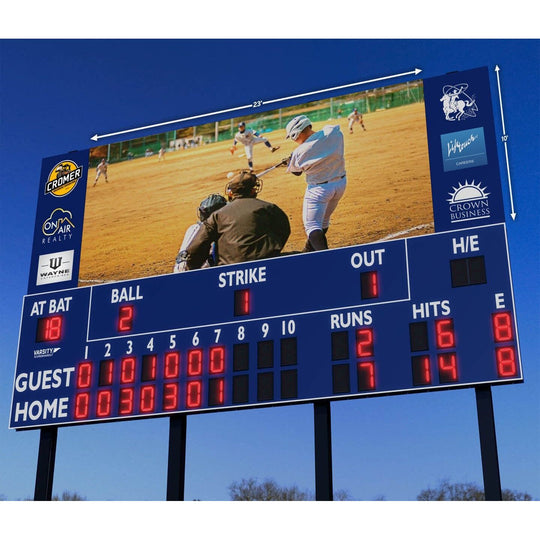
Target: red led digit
[
  {"x": 125, "y": 318},
  {"x": 172, "y": 365},
  {"x": 125, "y": 400},
  {"x": 444, "y": 330},
  {"x": 421, "y": 367},
  {"x": 50, "y": 328},
  {"x": 364, "y": 342},
  {"x": 193, "y": 394},
  {"x": 84, "y": 375},
  {"x": 170, "y": 396},
  {"x": 106, "y": 369},
  {"x": 448, "y": 371},
  {"x": 53, "y": 328},
  {"x": 242, "y": 302},
  {"x": 194, "y": 362},
  {"x": 149, "y": 367},
  {"x": 217, "y": 359},
  {"x": 127, "y": 370},
  {"x": 366, "y": 376},
  {"x": 82, "y": 405},
  {"x": 104, "y": 402},
  {"x": 502, "y": 326},
  {"x": 506, "y": 361},
  {"x": 369, "y": 284},
  {"x": 216, "y": 391},
  {"x": 148, "y": 398}
]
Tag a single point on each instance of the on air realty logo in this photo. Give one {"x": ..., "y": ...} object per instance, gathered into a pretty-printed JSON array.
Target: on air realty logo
[
  {"x": 58, "y": 226},
  {"x": 468, "y": 201},
  {"x": 55, "y": 267},
  {"x": 63, "y": 178}
]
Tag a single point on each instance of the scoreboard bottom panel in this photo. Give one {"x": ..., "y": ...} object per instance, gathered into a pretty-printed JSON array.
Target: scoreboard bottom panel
[{"x": 455, "y": 328}]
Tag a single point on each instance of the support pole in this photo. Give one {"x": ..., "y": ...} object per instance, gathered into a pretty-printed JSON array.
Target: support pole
[
  {"x": 488, "y": 444},
  {"x": 176, "y": 471},
  {"x": 45, "y": 464},
  {"x": 324, "y": 490}
]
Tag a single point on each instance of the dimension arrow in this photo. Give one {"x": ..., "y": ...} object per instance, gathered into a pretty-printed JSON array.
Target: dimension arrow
[
  {"x": 253, "y": 105},
  {"x": 504, "y": 139}
]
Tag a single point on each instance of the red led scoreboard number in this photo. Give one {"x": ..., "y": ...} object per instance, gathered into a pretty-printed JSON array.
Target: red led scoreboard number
[
  {"x": 129, "y": 386},
  {"x": 125, "y": 318},
  {"x": 503, "y": 332},
  {"x": 50, "y": 329}
]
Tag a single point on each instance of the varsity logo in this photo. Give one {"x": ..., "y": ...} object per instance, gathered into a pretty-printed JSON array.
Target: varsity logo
[
  {"x": 55, "y": 267},
  {"x": 63, "y": 178},
  {"x": 457, "y": 105},
  {"x": 468, "y": 201},
  {"x": 58, "y": 227},
  {"x": 45, "y": 353}
]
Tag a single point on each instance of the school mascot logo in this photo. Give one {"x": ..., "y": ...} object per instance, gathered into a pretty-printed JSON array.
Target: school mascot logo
[
  {"x": 457, "y": 105},
  {"x": 63, "y": 178}
]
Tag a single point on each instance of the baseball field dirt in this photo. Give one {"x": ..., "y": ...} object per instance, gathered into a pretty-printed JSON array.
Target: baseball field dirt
[{"x": 135, "y": 223}]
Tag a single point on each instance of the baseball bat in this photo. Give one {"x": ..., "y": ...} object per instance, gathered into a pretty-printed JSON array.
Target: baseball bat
[{"x": 262, "y": 173}]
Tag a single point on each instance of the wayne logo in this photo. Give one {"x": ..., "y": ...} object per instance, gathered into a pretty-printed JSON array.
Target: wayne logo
[
  {"x": 468, "y": 201},
  {"x": 63, "y": 178},
  {"x": 55, "y": 267},
  {"x": 457, "y": 105},
  {"x": 58, "y": 226}
]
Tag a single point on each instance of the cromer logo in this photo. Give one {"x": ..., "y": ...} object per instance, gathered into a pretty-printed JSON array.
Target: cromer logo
[{"x": 63, "y": 178}]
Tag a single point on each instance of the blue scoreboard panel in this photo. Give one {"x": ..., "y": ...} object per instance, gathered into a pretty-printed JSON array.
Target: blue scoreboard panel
[{"x": 428, "y": 312}]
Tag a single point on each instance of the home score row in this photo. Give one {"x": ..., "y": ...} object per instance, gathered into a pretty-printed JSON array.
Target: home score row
[{"x": 253, "y": 334}]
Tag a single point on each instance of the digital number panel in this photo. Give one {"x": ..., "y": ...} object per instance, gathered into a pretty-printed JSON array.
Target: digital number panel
[{"x": 449, "y": 322}]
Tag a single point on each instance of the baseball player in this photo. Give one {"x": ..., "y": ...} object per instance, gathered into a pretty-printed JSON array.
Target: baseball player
[
  {"x": 320, "y": 155},
  {"x": 161, "y": 154},
  {"x": 246, "y": 229},
  {"x": 248, "y": 138},
  {"x": 355, "y": 118},
  {"x": 207, "y": 207},
  {"x": 101, "y": 169}
]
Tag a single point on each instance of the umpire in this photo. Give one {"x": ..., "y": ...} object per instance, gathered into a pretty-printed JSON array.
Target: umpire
[{"x": 246, "y": 229}]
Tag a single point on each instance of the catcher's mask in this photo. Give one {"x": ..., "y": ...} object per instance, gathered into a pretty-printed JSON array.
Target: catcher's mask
[
  {"x": 243, "y": 184},
  {"x": 209, "y": 205}
]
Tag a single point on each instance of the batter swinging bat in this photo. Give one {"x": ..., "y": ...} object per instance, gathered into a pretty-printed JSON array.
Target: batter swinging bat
[{"x": 282, "y": 162}]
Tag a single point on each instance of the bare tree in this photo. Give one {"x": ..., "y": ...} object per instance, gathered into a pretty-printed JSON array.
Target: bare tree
[
  {"x": 447, "y": 491},
  {"x": 68, "y": 496},
  {"x": 250, "y": 489}
]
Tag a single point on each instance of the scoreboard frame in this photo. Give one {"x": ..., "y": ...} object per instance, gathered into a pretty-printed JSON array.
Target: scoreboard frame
[{"x": 476, "y": 148}]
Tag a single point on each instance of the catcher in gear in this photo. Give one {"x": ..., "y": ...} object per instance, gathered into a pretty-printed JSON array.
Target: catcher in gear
[
  {"x": 246, "y": 229},
  {"x": 207, "y": 207}
]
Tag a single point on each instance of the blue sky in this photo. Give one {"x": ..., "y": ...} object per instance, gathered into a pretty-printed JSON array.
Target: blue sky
[{"x": 56, "y": 94}]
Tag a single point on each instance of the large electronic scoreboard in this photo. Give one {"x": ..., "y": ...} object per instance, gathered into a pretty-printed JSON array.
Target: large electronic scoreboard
[{"x": 419, "y": 313}]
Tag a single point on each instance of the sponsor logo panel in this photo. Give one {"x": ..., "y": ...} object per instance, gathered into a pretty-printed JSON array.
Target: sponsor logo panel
[
  {"x": 63, "y": 178},
  {"x": 468, "y": 201},
  {"x": 55, "y": 267},
  {"x": 463, "y": 149},
  {"x": 58, "y": 227}
]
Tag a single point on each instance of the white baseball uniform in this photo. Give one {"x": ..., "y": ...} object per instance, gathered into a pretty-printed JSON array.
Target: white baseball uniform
[
  {"x": 355, "y": 117},
  {"x": 248, "y": 138},
  {"x": 321, "y": 158},
  {"x": 101, "y": 169}
]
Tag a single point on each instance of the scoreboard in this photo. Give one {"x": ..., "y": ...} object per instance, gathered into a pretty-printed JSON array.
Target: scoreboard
[{"x": 423, "y": 313}]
